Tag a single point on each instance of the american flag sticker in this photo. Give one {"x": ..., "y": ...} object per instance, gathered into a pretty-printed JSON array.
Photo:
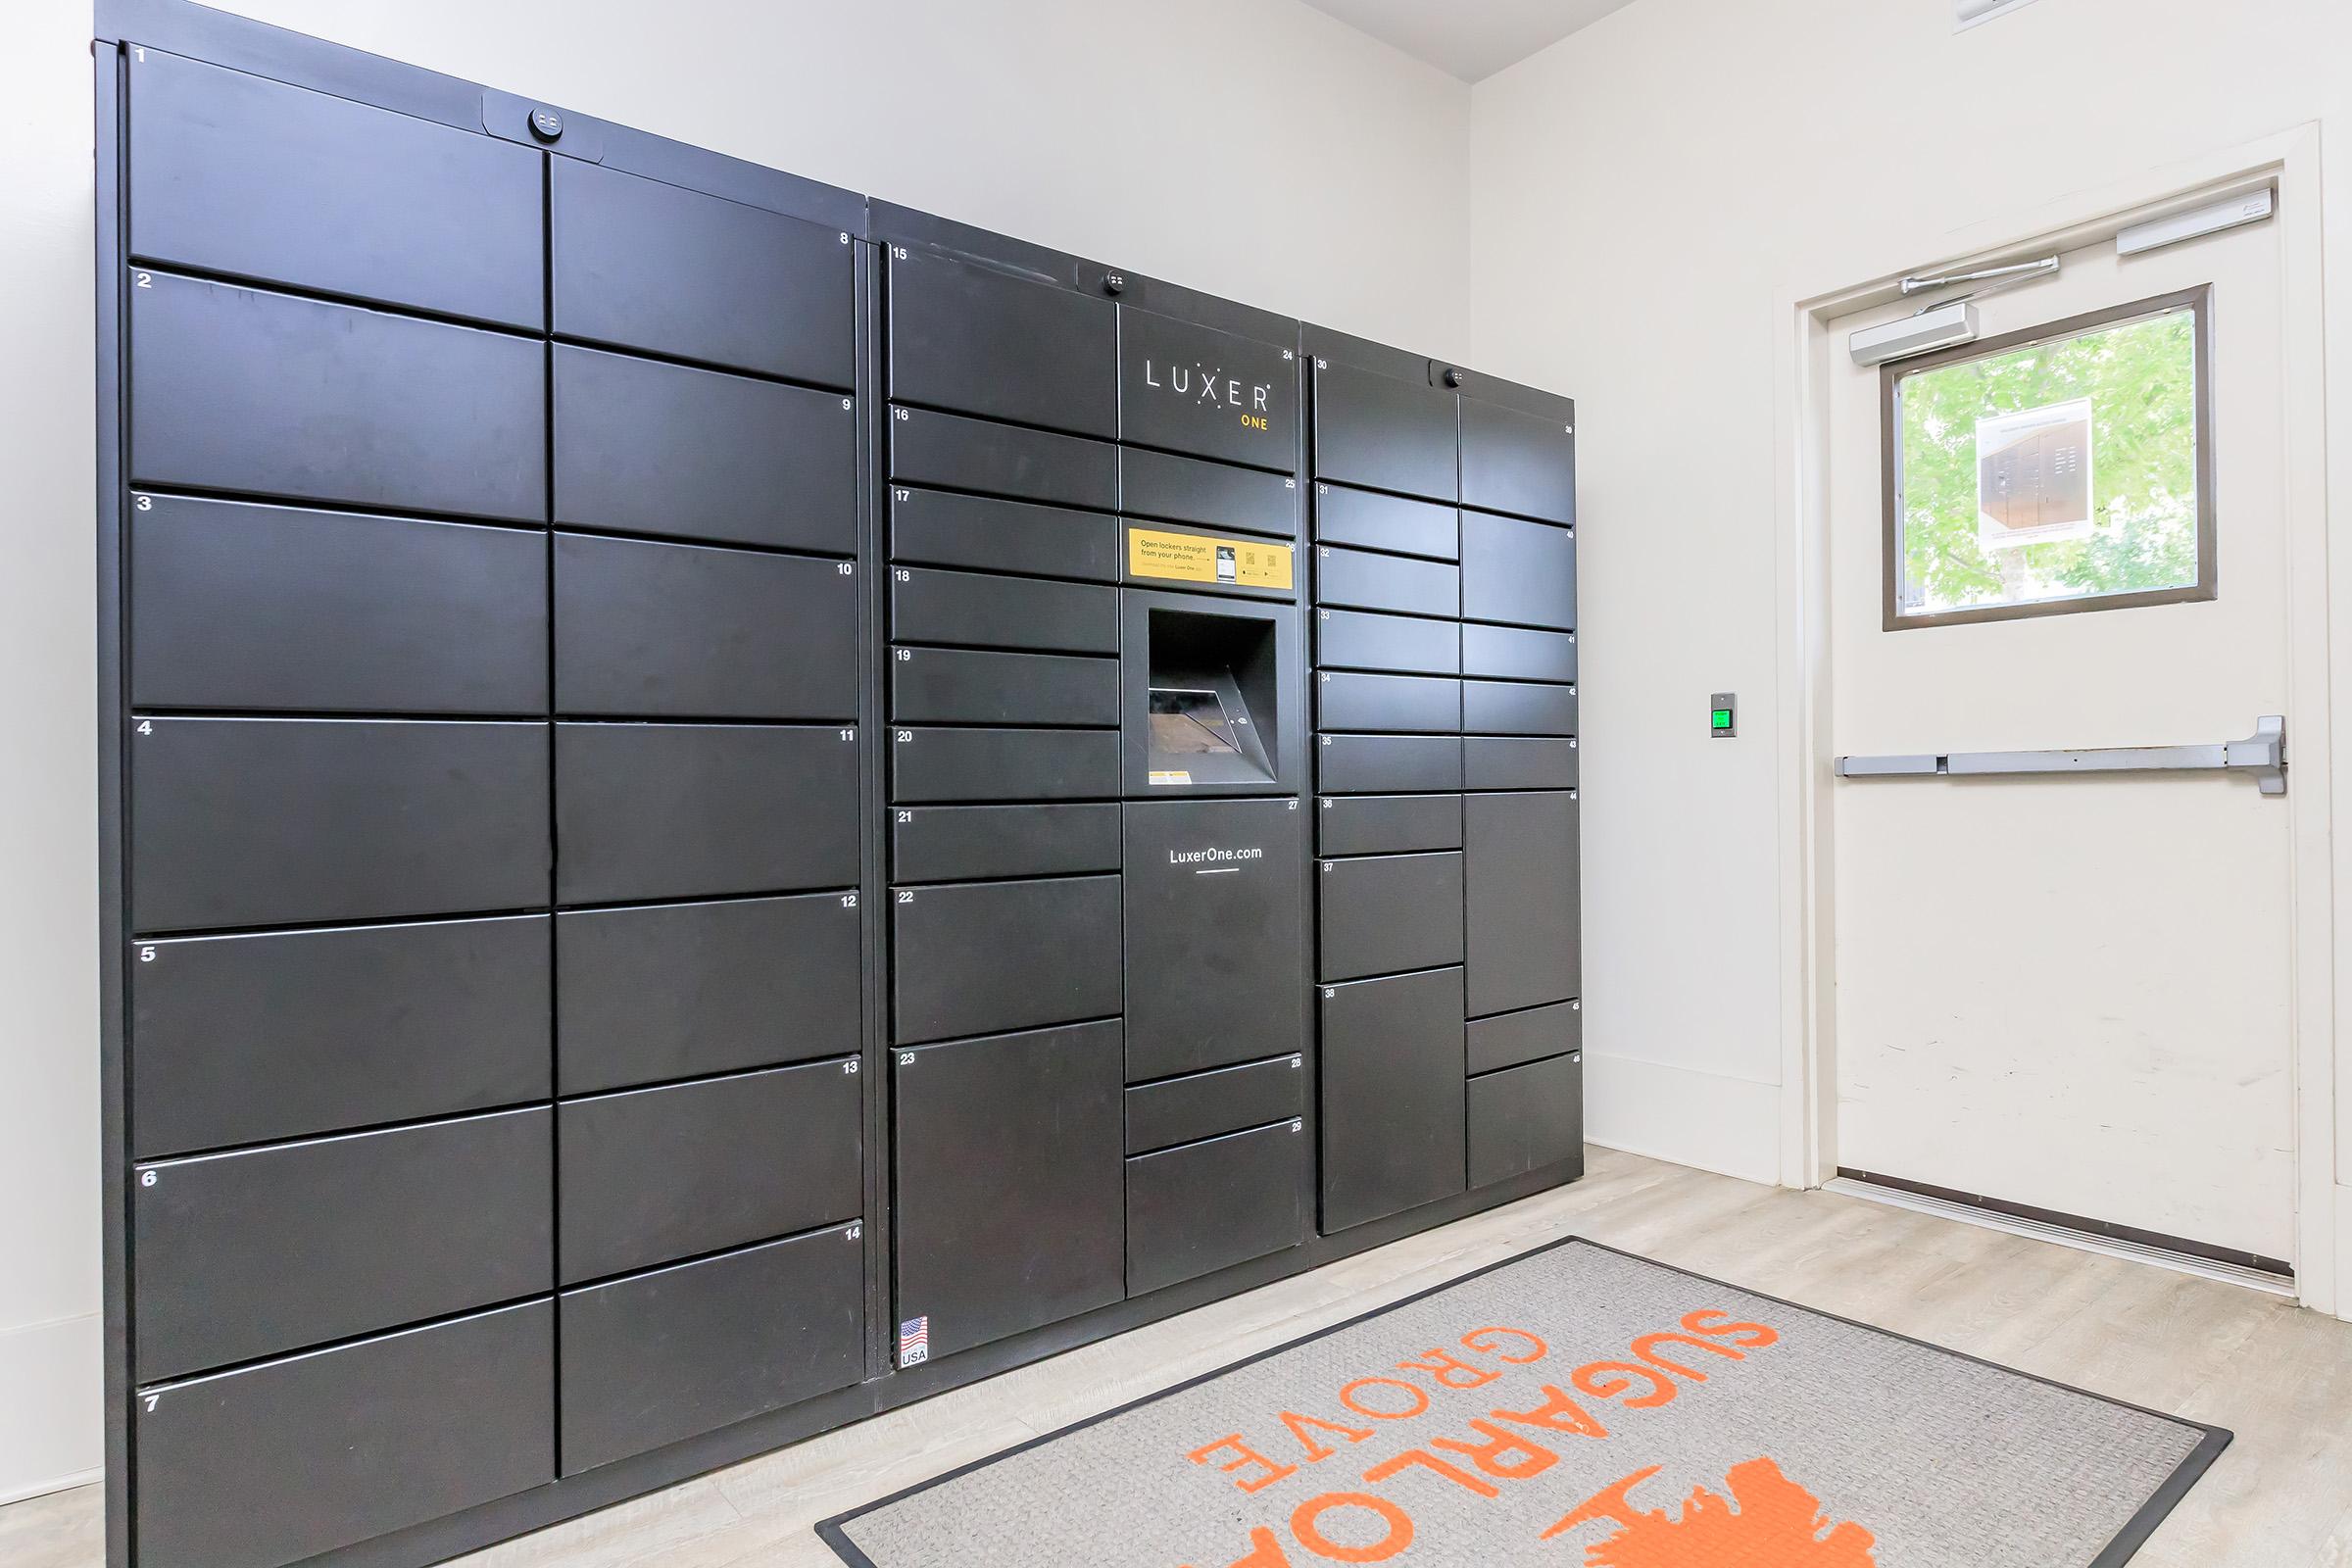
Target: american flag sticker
[{"x": 914, "y": 1342}]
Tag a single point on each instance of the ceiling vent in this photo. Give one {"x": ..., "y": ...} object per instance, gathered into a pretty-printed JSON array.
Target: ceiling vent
[{"x": 1967, "y": 14}]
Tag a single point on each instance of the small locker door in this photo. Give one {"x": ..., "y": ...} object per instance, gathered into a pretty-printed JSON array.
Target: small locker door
[
  {"x": 1520, "y": 572},
  {"x": 1010, "y": 1207},
  {"x": 246, "y": 177}
]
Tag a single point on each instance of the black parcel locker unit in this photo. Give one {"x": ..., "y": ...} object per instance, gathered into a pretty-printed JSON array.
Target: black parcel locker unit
[
  {"x": 725, "y": 804},
  {"x": 1445, "y": 587},
  {"x": 490, "y": 727}
]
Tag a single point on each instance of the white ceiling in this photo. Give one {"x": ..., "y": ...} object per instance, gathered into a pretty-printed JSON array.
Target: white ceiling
[{"x": 1470, "y": 38}]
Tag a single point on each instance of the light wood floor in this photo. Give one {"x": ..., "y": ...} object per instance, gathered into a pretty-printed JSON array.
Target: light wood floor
[{"x": 2278, "y": 1376}]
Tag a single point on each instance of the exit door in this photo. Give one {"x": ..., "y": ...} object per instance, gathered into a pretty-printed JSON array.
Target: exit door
[{"x": 2070, "y": 992}]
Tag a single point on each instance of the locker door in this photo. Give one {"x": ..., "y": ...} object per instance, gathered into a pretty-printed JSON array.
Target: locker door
[
  {"x": 239, "y": 390},
  {"x": 1521, "y": 920},
  {"x": 263, "y": 1251},
  {"x": 1199, "y": 1207},
  {"x": 643, "y": 265},
  {"x": 346, "y": 1027},
  {"x": 1383, "y": 914},
  {"x": 273, "y": 607},
  {"x": 1153, "y": 484},
  {"x": 970, "y": 686},
  {"x": 1354, "y": 639},
  {"x": 1376, "y": 521},
  {"x": 970, "y": 609},
  {"x": 1517, "y": 707},
  {"x": 1217, "y": 934},
  {"x": 976, "y": 957},
  {"x": 1518, "y": 462},
  {"x": 1355, "y": 579},
  {"x": 981, "y": 342},
  {"x": 645, "y": 447},
  {"x": 650, "y": 1175},
  {"x": 1387, "y": 824},
  {"x": 941, "y": 528},
  {"x": 975, "y": 843},
  {"x": 687, "y": 810},
  {"x": 249, "y": 177},
  {"x": 1525, "y": 1119},
  {"x": 1512, "y": 652},
  {"x": 1003, "y": 764},
  {"x": 1008, "y": 1182},
  {"x": 1387, "y": 704},
  {"x": 659, "y": 1358},
  {"x": 689, "y": 631},
  {"x": 956, "y": 452},
  {"x": 1383, "y": 765},
  {"x": 682, "y": 990},
  {"x": 1223, "y": 1100},
  {"x": 1384, "y": 432},
  {"x": 1214, "y": 394},
  {"x": 1523, "y": 572},
  {"x": 283, "y": 821},
  {"x": 1393, "y": 1102}
]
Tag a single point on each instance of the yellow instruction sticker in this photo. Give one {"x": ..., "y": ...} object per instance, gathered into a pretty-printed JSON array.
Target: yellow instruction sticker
[
  {"x": 1197, "y": 558},
  {"x": 1170, "y": 776}
]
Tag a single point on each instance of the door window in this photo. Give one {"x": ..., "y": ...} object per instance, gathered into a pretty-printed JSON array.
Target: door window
[{"x": 2067, "y": 466}]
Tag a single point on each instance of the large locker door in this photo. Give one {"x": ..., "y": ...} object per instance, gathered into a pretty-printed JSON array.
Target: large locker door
[
  {"x": 278, "y": 1462},
  {"x": 1008, "y": 1158},
  {"x": 650, "y": 447},
  {"x": 695, "y": 1347},
  {"x": 346, "y": 1026},
  {"x": 1217, "y": 934},
  {"x": 285, "y": 821},
  {"x": 638, "y": 263},
  {"x": 1394, "y": 1099},
  {"x": 1519, "y": 462},
  {"x": 982, "y": 342},
  {"x": 282, "y": 610},
  {"x": 251, "y": 392},
  {"x": 1384, "y": 432},
  {"x": 248, "y": 178},
  {"x": 1521, "y": 919}
]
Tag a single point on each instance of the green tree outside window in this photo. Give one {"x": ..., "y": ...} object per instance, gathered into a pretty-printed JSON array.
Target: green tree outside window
[{"x": 2141, "y": 380}]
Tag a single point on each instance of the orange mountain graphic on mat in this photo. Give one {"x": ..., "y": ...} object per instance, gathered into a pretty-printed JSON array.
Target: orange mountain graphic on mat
[{"x": 1769, "y": 1521}]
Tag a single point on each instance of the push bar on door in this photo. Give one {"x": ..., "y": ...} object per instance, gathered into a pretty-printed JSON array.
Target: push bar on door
[{"x": 2262, "y": 755}]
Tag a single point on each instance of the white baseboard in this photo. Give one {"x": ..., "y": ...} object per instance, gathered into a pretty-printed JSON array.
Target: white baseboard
[
  {"x": 1702, "y": 1119},
  {"x": 2342, "y": 1298},
  {"x": 42, "y": 1489},
  {"x": 52, "y": 1427}
]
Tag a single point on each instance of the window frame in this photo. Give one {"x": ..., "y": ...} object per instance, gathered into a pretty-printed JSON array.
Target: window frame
[{"x": 2199, "y": 302}]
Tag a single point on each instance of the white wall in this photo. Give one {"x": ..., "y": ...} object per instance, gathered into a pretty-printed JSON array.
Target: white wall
[
  {"x": 1252, "y": 148},
  {"x": 1641, "y": 193},
  {"x": 1259, "y": 151},
  {"x": 49, "y": 1413}
]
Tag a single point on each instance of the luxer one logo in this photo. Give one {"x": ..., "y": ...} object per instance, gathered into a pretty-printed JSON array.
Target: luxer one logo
[
  {"x": 1202, "y": 385},
  {"x": 1215, "y": 854}
]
